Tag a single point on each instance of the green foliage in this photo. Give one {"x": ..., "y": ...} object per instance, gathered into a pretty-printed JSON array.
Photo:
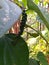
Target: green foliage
[
  {"x": 36, "y": 1},
  {"x": 33, "y": 6},
  {"x": 45, "y": 14},
  {"x": 42, "y": 58},
  {"x": 24, "y": 2},
  {"x": 13, "y": 50}
]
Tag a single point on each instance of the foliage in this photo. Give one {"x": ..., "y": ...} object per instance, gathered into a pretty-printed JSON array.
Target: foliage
[
  {"x": 14, "y": 49},
  {"x": 33, "y": 6},
  {"x": 42, "y": 58}
]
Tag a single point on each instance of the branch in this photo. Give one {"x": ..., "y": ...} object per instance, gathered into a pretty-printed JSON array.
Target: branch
[{"x": 38, "y": 33}]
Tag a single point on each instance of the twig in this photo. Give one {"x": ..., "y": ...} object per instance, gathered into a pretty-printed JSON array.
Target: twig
[{"x": 38, "y": 33}]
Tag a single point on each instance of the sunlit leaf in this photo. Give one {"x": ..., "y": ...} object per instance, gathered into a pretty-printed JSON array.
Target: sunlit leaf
[
  {"x": 36, "y": 1},
  {"x": 24, "y": 2}
]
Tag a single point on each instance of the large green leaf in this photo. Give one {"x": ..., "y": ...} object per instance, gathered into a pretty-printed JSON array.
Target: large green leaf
[
  {"x": 13, "y": 50},
  {"x": 42, "y": 58},
  {"x": 45, "y": 13},
  {"x": 33, "y": 6}
]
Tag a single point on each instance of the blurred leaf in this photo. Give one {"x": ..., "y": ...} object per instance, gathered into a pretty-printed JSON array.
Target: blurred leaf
[
  {"x": 42, "y": 58},
  {"x": 39, "y": 19},
  {"x": 33, "y": 6},
  {"x": 18, "y": 3},
  {"x": 36, "y": 1},
  {"x": 45, "y": 13},
  {"x": 47, "y": 1},
  {"x": 15, "y": 0},
  {"x": 34, "y": 34},
  {"x": 29, "y": 11},
  {"x": 13, "y": 54},
  {"x": 24, "y": 2},
  {"x": 33, "y": 62}
]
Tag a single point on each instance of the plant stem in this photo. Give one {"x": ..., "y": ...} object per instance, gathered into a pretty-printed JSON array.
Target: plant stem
[{"x": 38, "y": 33}]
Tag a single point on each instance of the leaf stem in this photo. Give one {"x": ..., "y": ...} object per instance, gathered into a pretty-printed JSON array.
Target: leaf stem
[{"x": 38, "y": 33}]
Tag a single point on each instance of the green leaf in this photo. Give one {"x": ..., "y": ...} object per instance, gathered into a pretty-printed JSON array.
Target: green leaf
[
  {"x": 36, "y": 1},
  {"x": 34, "y": 34},
  {"x": 33, "y": 62},
  {"x": 24, "y": 2},
  {"x": 39, "y": 19},
  {"x": 45, "y": 13},
  {"x": 13, "y": 50},
  {"x": 41, "y": 57},
  {"x": 15, "y": 0},
  {"x": 33, "y": 6}
]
